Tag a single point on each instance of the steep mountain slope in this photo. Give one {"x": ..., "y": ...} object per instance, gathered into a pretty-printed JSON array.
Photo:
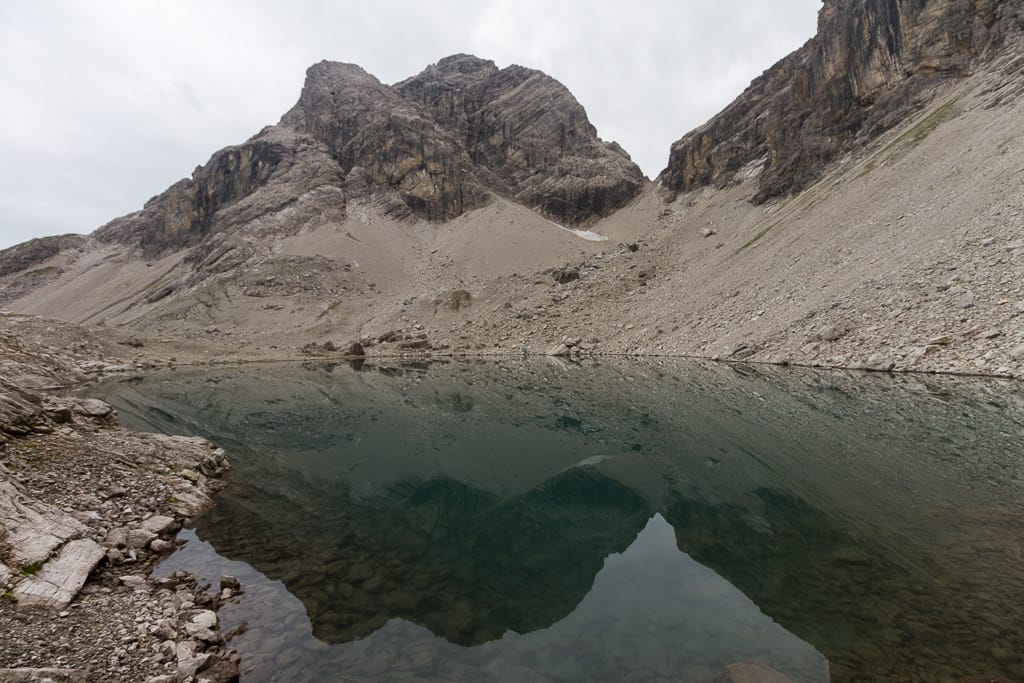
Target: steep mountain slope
[
  {"x": 872, "y": 64},
  {"x": 346, "y": 200},
  {"x": 860, "y": 205},
  {"x": 905, "y": 250}
]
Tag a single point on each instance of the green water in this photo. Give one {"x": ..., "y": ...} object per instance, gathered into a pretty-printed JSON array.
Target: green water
[{"x": 624, "y": 521}]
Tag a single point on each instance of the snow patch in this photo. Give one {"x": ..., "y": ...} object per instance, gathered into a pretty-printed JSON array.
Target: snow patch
[{"x": 588, "y": 235}]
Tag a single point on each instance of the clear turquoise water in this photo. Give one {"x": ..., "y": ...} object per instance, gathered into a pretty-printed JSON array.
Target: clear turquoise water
[{"x": 625, "y": 521}]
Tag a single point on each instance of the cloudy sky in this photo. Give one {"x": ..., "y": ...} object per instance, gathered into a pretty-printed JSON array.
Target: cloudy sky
[{"x": 107, "y": 103}]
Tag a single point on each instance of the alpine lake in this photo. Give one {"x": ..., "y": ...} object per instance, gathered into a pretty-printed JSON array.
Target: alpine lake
[{"x": 532, "y": 520}]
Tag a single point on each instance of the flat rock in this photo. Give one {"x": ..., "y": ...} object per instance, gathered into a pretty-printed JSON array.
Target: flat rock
[
  {"x": 116, "y": 538},
  {"x": 159, "y": 524},
  {"x": 205, "y": 619},
  {"x": 61, "y": 578},
  {"x": 188, "y": 660},
  {"x": 93, "y": 407},
  {"x": 33, "y": 531}
]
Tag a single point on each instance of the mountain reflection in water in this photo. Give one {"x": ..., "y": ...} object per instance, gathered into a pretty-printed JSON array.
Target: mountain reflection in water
[{"x": 627, "y": 521}]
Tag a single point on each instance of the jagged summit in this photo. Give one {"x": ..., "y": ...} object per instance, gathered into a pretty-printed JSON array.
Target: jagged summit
[
  {"x": 871, "y": 65},
  {"x": 529, "y": 136},
  {"x": 433, "y": 147}
]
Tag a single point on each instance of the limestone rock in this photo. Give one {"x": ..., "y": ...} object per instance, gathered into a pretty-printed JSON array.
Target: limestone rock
[
  {"x": 159, "y": 524},
  {"x": 203, "y": 627},
  {"x": 93, "y": 407},
  {"x": 25, "y": 258},
  {"x": 219, "y": 670},
  {"x": 529, "y": 137},
  {"x": 140, "y": 538},
  {"x": 60, "y": 579},
  {"x": 865, "y": 71},
  {"x": 189, "y": 661},
  {"x": 434, "y": 146},
  {"x": 33, "y": 532}
]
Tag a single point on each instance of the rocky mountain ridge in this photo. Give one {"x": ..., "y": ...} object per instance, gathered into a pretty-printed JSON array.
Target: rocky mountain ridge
[
  {"x": 871, "y": 66},
  {"x": 858, "y": 206},
  {"x": 432, "y": 147}
]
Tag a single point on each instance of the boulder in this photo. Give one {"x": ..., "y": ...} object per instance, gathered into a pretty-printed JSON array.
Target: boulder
[
  {"x": 160, "y": 524},
  {"x": 140, "y": 538},
  {"x": 93, "y": 407}
]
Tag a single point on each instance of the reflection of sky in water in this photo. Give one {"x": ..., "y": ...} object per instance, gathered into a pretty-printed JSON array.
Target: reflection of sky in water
[{"x": 652, "y": 614}]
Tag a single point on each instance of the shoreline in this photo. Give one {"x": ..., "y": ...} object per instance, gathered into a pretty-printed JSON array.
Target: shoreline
[
  {"x": 593, "y": 355},
  {"x": 88, "y": 509},
  {"x": 60, "y": 454}
]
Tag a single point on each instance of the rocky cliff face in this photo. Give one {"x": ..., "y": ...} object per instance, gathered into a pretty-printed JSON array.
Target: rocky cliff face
[
  {"x": 528, "y": 135},
  {"x": 870, "y": 65},
  {"x": 431, "y": 147}
]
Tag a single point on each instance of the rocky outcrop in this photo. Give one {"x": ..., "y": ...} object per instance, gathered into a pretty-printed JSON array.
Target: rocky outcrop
[
  {"x": 529, "y": 135},
  {"x": 378, "y": 137},
  {"x": 23, "y": 264},
  {"x": 871, "y": 64},
  {"x": 431, "y": 147},
  {"x": 26, "y": 255},
  {"x": 244, "y": 189}
]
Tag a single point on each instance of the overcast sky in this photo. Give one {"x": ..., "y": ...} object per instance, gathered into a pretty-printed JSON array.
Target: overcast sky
[{"x": 105, "y": 104}]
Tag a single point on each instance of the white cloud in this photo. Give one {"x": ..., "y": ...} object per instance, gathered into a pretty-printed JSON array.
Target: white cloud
[{"x": 106, "y": 104}]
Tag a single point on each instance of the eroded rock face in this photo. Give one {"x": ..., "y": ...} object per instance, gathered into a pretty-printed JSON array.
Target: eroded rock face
[
  {"x": 375, "y": 134},
  {"x": 528, "y": 135},
  {"x": 871, "y": 63},
  {"x": 240, "y": 189},
  {"x": 431, "y": 147}
]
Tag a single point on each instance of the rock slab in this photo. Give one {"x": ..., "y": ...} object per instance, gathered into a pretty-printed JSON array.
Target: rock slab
[{"x": 60, "y": 579}]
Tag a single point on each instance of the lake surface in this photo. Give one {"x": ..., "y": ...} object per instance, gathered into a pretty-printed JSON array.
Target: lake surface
[{"x": 619, "y": 521}]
